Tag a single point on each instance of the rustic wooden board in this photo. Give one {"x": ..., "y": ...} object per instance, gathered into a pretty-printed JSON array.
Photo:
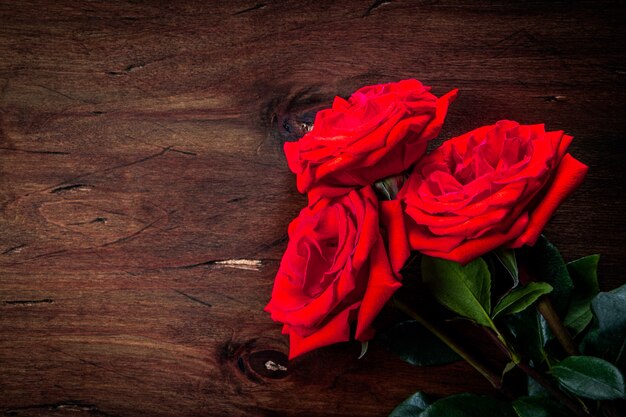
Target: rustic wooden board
[{"x": 140, "y": 147}]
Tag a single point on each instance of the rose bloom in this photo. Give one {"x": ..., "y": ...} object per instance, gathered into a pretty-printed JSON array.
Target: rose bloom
[
  {"x": 336, "y": 270},
  {"x": 381, "y": 130},
  {"x": 497, "y": 185}
]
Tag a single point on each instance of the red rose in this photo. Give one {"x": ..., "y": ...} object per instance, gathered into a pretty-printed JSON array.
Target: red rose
[
  {"x": 497, "y": 185},
  {"x": 336, "y": 271},
  {"x": 380, "y": 131}
]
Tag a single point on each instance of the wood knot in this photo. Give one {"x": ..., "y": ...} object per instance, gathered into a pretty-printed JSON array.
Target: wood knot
[
  {"x": 269, "y": 364},
  {"x": 291, "y": 116},
  {"x": 255, "y": 365}
]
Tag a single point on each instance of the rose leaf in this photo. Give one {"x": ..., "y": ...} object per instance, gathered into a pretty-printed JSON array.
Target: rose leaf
[
  {"x": 507, "y": 258},
  {"x": 468, "y": 405},
  {"x": 535, "y": 389},
  {"x": 539, "y": 407},
  {"x": 590, "y": 377},
  {"x": 607, "y": 336},
  {"x": 531, "y": 333},
  {"x": 521, "y": 298},
  {"x": 412, "y": 406},
  {"x": 546, "y": 264},
  {"x": 584, "y": 275},
  {"x": 466, "y": 290}
]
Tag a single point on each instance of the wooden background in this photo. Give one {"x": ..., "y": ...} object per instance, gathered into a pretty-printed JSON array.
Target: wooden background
[{"x": 140, "y": 147}]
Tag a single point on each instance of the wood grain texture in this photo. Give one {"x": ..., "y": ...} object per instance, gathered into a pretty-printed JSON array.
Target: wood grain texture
[{"x": 141, "y": 149}]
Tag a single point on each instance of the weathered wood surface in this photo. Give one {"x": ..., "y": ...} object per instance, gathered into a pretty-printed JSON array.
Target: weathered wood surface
[{"x": 140, "y": 147}]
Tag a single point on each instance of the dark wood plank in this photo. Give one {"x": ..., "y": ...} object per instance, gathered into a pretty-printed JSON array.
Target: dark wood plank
[{"x": 140, "y": 148}]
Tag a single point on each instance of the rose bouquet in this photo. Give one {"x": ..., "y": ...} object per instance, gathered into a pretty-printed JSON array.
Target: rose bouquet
[{"x": 446, "y": 238}]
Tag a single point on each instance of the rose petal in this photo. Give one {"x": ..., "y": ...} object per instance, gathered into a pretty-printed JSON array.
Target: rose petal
[
  {"x": 336, "y": 330},
  {"x": 471, "y": 249},
  {"x": 568, "y": 177},
  {"x": 380, "y": 287},
  {"x": 422, "y": 240},
  {"x": 397, "y": 241},
  {"x": 443, "y": 103}
]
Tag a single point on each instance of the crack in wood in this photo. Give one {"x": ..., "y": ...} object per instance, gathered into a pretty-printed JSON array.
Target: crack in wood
[
  {"x": 52, "y": 90},
  {"x": 14, "y": 249},
  {"x": 276, "y": 242},
  {"x": 28, "y": 302},
  {"x": 78, "y": 187},
  {"x": 184, "y": 152},
  {"x": 245, "y": 264},
  {"x": 47, "y": 254},
  {"x": 192, "y": 298},
  {"x": 109, "y": 169},
  {"x": 129, "y": 68},
  {"x": 135, "y": 234},
  {"x": 257, "y": 6},
  {"x": 66, "y": 405},
  {"x": 139, "y": 65},
  {"x": 171, "y": 147},
  {"x": 35, "y": 151},
  {"x": 552, "y": 98},
  {"x": 43, "y": 255},
  {"x": 375, "y": 5},
  {"x": 96, "y": 220}
]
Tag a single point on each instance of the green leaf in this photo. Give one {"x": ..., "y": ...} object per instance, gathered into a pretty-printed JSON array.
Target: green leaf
[
  {"x": 412, "y": 406},
  {"x": 388, "y": 188},
  {"x": 521, "y": 298},
  {"x": 607, "y": 337},
  {"x": 584, "y": 272},
  {"x": 578, "y": 316},
  {"x": 466, "y": 290},
  {"x": 530, "y": 332},
  {"x": 416, "y": 345},
  {"x": 507, "y": 368},
  {"x": 468, "y": 405},
  {"x": 545, "y": 263},
  {"x": 535, "y": 389},
  {"x": 539, "y": 407},
  {"x": 584, "y": 275},
  {"x": 508, "y": 261},
  {"x": 590, "y": 377}
]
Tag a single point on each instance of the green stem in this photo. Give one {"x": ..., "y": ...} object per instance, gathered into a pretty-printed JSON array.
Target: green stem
[
  {"x": 502, "y": 343},
  {"x": 493, "y": 378},
  {"x": 546, "y": 309},
  {"x": 565, "y": 399}
]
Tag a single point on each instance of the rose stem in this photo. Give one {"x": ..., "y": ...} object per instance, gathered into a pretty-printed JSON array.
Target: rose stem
[
  {"x": 565, "y": 399},
  {"x": 546, "y": 309},
  {"x": 493, "y": 378}
]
